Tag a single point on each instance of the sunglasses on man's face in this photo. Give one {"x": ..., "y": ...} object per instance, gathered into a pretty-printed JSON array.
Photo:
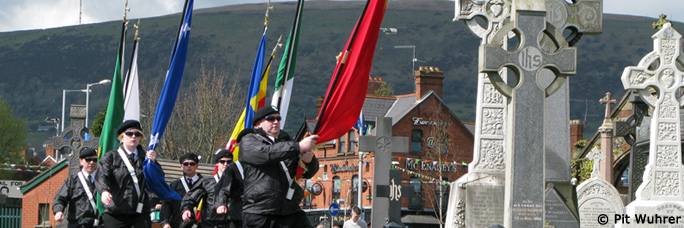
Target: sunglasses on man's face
[
  {"x": 90, "y": 159},
  {"x": 225, "y": 161},
  {"x": 189, "y": 163},
  {"x": 132, "y": 133},
  {"x": 273, "y": 118}
]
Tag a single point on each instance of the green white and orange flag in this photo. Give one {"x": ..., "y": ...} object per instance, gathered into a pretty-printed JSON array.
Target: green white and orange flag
[{"x": 283, "y": 85}]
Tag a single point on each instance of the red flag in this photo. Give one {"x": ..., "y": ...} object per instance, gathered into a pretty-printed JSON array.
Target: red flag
[{"x": 348, "y": 86}]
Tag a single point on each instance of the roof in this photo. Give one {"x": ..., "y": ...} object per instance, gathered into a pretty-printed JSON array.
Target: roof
[
  {"x": 43, "y": 176},
  {"x": 401, "y": 107},
  {"x": 374, "y": 106}
]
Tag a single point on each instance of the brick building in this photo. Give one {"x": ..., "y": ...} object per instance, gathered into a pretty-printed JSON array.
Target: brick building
[
  {"x": 38, "y": 194},
  {"x": 437, "y": 138}
]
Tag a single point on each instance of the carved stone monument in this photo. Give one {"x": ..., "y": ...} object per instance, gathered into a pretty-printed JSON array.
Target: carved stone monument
[
  {"x": 525, "y": 182},
  {"x": 77, "y": 137},
  {"x": 662, "y": 190},
  {"x": 476, "y": 198},
  {"x": 606, "y": 130},
  {"x": 597, "y": 196},
  {"x": 383, "y": 144}
]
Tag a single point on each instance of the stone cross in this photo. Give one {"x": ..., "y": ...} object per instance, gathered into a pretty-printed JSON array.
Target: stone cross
[
  {"x": 525, "y": 183},
  {"x": 596, "y": 156},
  {"x": 383, "y": 144},
  {"x": 73, "y": 137},
  {"x": 662, "y": 180},
  {"x": 607, "y": 100},
  {"x": 606, "y": 131},
  {"x": 395, "y": 191}
]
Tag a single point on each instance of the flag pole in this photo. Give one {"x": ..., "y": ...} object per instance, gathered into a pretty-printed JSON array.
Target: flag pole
[
  {"x": 342, "y": 60},
  {"x": 275, "y": 48}
]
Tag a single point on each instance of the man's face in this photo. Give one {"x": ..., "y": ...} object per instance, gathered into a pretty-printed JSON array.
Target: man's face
[
  {"x": 355, "y": 216},
  {"x": 189, "y": 167},
  {"x": 223, "y": 162},
  {"x": 270, "y": 124},
  {"x": 89, "y": 163},
  {"x": 131, "y": 137}
]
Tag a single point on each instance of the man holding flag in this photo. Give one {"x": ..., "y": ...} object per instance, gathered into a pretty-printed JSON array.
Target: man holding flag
[{"x": 270, "y": 158}]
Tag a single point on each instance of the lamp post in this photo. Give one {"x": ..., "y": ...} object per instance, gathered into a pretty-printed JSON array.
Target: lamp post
[
  {"x": 102, "y": 82},
  {"x": 64, "y": 91}
]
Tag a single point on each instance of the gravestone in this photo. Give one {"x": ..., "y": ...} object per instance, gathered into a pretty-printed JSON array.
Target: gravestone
[
  {"x": 383, "y": 144},
  {"x": 662, "y": 189},
  {"x": 73, "y": 137},
  {"x": 597, "y": 196},
  {"x": 395, "y": 191},
  {"x": 525, "y": 183},
  {"x": 477, "y": 196}
]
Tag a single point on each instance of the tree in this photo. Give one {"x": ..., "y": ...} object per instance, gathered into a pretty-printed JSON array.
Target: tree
[
  {"x": 202, "y": 118},
  {"x": 99, "y": 121},
  {"x": 13, "y": 134}
]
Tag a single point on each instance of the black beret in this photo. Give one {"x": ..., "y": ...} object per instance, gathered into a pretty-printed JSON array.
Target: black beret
[
  {"x": 88, "y": 152},
  {"x": 188, "y": 156},
  {"x": 263, "y": 112},
  {"x": 128, "y": 124},
  {"x": 223, "y": 153}
]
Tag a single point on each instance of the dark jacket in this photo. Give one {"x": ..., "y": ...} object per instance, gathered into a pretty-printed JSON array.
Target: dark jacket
[
  {"x": 171, "y": 209},
  {"x": 113, "y": 176},
  {"x": 266, "y": 183},
  {"x": 230, "y": 192},
  {"x": 80, "y": 211},
  {"x": 204, "y": 189}
]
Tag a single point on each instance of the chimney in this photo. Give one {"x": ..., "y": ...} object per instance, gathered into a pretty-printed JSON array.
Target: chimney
[
  {"x": 428, "y": 79},
  {"x": 373, "y": 85},
  {"x": 576, "y": 132}
]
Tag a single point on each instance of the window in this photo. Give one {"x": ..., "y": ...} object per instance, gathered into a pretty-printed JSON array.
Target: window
[
  {"x": 343, "y": 145},
  {"x": 352, "y": 141},
  {"x": 337, "y": 186},
  {"x": 355, "y": 182},
  {"x": 416, "y": 141},
  {"x": 416, "y": 202},
  {"x": 44, "y": 214}
]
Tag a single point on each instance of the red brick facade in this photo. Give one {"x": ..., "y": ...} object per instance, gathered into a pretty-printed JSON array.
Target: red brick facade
[{"x": 42, "y": 193}]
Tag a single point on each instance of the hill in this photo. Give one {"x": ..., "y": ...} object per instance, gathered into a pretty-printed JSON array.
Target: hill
[{"x": 35, "y": 65}]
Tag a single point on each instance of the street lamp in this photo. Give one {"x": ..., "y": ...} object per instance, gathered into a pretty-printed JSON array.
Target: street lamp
[
  {"x": 102, "y": 82},
  {"x": 414, "y": 60},
  {"x": 389, "y": 31},
  {"x": 64, "y": 91}
]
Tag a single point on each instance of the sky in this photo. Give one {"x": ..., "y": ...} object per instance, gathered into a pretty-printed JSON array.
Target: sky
[{"x": 19, "y": 15}]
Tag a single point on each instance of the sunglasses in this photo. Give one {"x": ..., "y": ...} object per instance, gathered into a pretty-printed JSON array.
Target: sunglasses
[
  {"x": 273, "y": 118},
  {"x": 225, "y": 161},
  {"x": 132, "y": 133},
  {"x": 90, "y": 159},
  {"x": 189, "y": 163}
]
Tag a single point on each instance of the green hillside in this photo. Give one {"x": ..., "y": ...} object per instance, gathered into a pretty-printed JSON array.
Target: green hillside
[{"x": 36, "y": 65}]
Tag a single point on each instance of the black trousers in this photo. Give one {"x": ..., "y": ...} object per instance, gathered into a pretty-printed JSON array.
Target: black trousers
[
  {"x": 296, "y": 220},
  {"x": 141, "y": 220}
]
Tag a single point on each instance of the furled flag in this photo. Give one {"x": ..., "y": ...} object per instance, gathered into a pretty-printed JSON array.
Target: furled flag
[
  {"x": 115, "y": 110},
  {"x": 348, "y": 86},
  {"x": 130, "y": 84},
  {"x": 256, "y": 94},
  {"x": 361, "y": 125},
  {"x": 283, "y": 85},
  {"x": 154, "y": 176}
]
